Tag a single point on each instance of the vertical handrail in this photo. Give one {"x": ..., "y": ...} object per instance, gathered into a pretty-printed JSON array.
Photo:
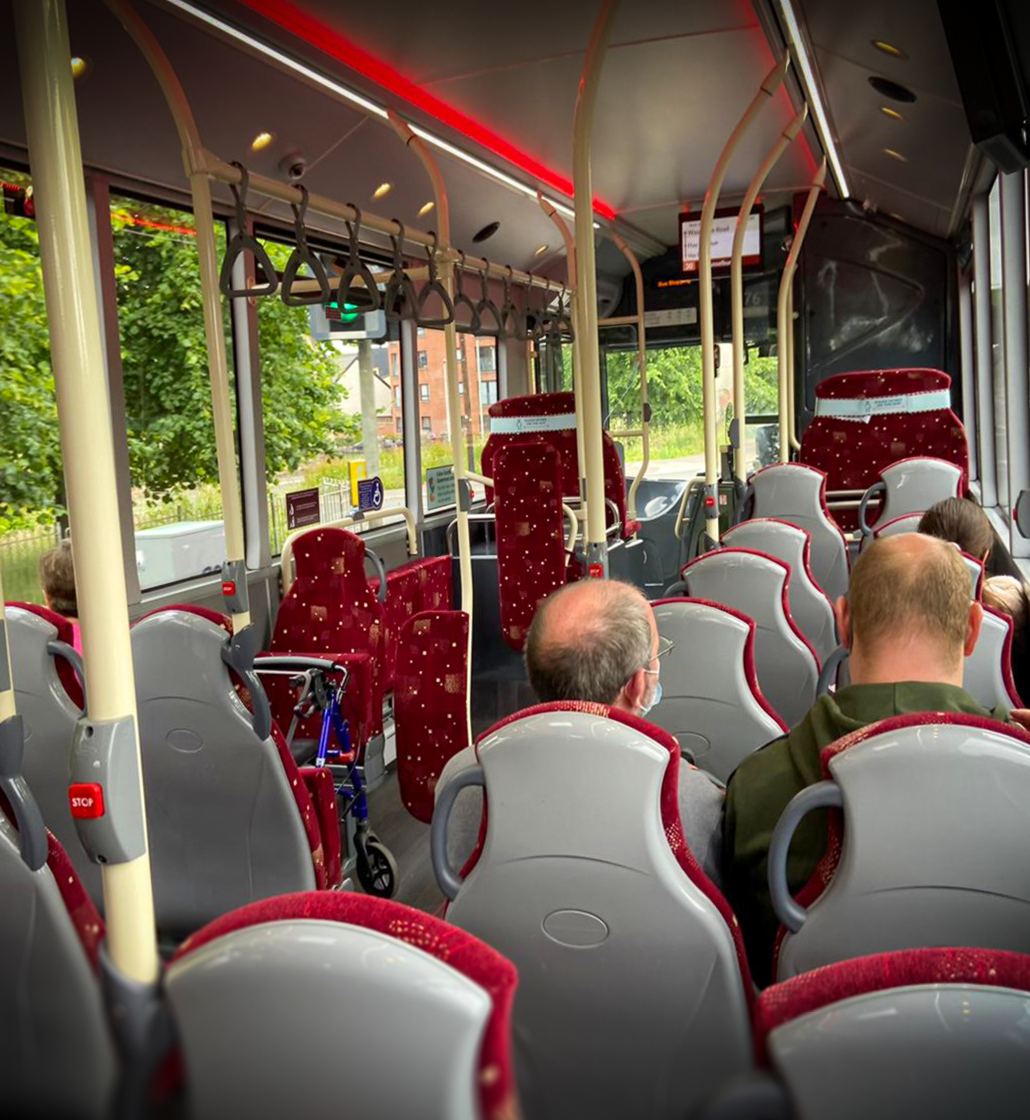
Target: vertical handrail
[
  {"x": 783, "y": 309},
  {"x": 459, "y": 452},
  {"x": 7, "y": 705},
  {"x": 783, "y": 141},
  {"x": 795, "y": 444},
  {"x": 87, "y": 445},
  {"x": 218, "y": 369},
  {"x": 645, "y": 411},
  {"x": 769, "y": 85},
  {"x": 570, "y": 272},
  {"x": 595, "y": 535}
]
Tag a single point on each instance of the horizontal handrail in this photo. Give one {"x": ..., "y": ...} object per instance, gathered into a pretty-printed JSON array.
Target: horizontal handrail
[
  {"x": 619, "y": 321},
  {"x": 480, "y": 478},
  {"x": 570, "y": 541},
  {"x": 629, "y": 433},
  {"x": 286, "y": 556}
]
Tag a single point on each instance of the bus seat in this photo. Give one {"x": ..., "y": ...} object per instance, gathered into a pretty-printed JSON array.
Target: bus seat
[
  {"x": 906, "y": 523},
  {"x": 988, "y": 674},
  {"x": 809, "y": 605},
  {"x": 711, "y": 700},
  {"x": 796, "y": 493},
  {"x": 551, "y": 418},
  {"x": 230, "y": 817},
  {"x": 56, "y": 1055},
  {"x": 758, "y": 586},
  {"x": 48, "y": 697},
  {"x": 910, "y": 486},
  {"x": 926, "y": 843},
  {"x": 403, "y": 1014},
  {"x": 531, "y": 558},
  {"x": 633, "y": 989},
  {"x": 430, "y": 703},
  {"x": 853, "y": 448},
  {"x": 923, "y": 1032}
]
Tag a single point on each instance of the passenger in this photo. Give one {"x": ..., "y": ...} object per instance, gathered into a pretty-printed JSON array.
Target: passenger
[
  {"x": 57, "y": 578},
  {"x": 909, "y": 622},
  {"x": 597, "y": 641},
  {"x": 964, "y": 523}
]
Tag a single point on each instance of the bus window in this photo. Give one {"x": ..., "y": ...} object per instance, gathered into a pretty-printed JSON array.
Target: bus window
[
  {"x": 176, "y": 500},
  {"x": 31, "y": 478},
  {"x": 998, "y": 349},
  {"x": 331, "y": 411}
]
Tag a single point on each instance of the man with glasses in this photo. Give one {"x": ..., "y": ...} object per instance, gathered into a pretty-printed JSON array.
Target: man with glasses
[{"x": 597, "y": 641}]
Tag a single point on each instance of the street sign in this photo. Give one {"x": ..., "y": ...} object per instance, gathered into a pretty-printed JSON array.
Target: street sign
[
  {"x": 440, "y": 487},
  {"x": 302, "y": 508},
  {"x": 370, "y": 494}
]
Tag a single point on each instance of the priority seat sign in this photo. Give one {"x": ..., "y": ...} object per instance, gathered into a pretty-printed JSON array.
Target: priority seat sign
[{"x": 370, "y": 494}]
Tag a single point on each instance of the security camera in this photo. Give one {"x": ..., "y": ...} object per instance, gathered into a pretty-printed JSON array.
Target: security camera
[{"x": 293, "y": 165}]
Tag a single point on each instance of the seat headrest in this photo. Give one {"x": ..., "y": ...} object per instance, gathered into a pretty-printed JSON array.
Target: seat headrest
[
  {"x": 882, "y": 383},
  {"x": 539, "y": 404}
]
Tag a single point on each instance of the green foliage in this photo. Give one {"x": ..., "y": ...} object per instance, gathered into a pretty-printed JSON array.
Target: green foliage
[{"x": 673, "y": 387}]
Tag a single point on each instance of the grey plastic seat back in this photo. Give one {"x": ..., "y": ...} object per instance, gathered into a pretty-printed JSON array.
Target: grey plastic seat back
[
  {"x": 223, "y": 822},
  {"x": 906, "y": 523},
  {"x": 394, "y": 1031},
  {"x": 49, "y": 717},
  {"x": 56, "y": 1057},
  {"x": 941, "y": 1050},
  {"x": 915, "y": 484},
  {"x": 709, "y": 699},
  {"x": 788, "y": 669},
  {"x": 809, "y": 604},
  {"x": 936, "y": 831},
  {"x": 630, "y": 999},
  {"x": 988, "y": 672},
  {"x": 796, "y": 493}
]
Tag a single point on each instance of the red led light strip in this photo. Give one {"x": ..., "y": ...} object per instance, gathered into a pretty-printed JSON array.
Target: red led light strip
[
  {"x": 146, "y": 223},
  {"x": 299, "y": 23}
]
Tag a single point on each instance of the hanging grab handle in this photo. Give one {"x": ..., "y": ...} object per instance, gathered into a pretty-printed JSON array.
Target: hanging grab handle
[
  {"x": 487, "y": 304},
  {"x": 511, "y": 326},
  {"x": 243, "y": 242},
  {"x": 365, "y": 298},
  {"x": 399, "y": 300},
  {"x": 432, "y": 286},
  {"x": 302, "y": 255},
  {"x": 462, "y": 300},
  {"x": 32, "y": 833}
]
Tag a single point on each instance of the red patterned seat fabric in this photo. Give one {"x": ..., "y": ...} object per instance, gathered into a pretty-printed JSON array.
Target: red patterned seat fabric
[
  {"x": 669, "y": 806},
  {"x": 853, "y": 452},
  {"x": 531, "y": 558},
  {"x": 63, "y": 626},
  {"x": 463, "y": 952},
  {"x": 430, "y": 701},
  {"x": 832, "y": 983},
  {"x": 564, "y": 441}
]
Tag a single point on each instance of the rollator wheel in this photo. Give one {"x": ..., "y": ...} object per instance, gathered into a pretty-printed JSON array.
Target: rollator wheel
[{"x": 377, "y": 870}]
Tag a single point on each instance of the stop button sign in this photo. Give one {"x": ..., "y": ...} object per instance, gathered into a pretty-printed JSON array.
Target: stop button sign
[{"x": 86, "y": 800}]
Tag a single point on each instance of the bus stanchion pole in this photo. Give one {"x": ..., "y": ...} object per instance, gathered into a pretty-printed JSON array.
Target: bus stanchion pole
[
  {"x": 105, "y": 749},
  {"x": 783, "y": 324},
  {"x": 595, "y": 535},
  {"x": 783, "y": 141},
  {"x": 768, "y": 87}
]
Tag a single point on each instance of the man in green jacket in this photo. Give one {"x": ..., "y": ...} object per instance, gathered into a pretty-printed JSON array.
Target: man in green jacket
[{"x": 909, "y": 622}]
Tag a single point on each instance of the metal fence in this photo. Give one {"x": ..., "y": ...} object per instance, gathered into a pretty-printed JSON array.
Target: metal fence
[
  {"x": 19, "y": 561},
  {"x": 333, "y": 502}
]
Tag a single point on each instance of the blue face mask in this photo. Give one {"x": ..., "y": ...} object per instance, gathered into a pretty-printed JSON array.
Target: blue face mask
[{"x": 655, "y": 700}]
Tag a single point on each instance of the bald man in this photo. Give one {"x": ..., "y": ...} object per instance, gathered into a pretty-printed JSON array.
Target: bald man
[
  {"x": 909, "y": 623},
  {"x": 597, "y": 640}
]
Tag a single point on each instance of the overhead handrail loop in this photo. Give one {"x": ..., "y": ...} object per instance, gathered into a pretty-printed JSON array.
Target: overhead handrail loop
[
  {"x": 242, "y": 242},
  {"x": 431, "y": 287},
  {"x": 302, "y": 255},
  {"x": 487, "y": 304},
  {"x": 510, "y": 319},
  {"x": 365, "y": 299},
  {"x": 462, "y": 300},
  {"x": 399, "y": 299}
]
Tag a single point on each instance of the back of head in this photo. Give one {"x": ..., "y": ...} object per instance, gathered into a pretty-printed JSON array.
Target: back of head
[
  {"x": 910, "y": 590},
  {"x": 57, "y": 578},
  {"x": 962, "y": 522},
  {"x": 587, "y": 640}
]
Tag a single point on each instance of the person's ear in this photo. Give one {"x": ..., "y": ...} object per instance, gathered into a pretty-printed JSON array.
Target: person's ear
[
  {"x": 843, "y": 615},
  {"x": 976, "y": 618},
  {"x": 633, "y": 692}
]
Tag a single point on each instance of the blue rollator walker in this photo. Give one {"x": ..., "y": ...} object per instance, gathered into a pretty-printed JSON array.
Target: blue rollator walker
[{"x": 371, "y": 860}]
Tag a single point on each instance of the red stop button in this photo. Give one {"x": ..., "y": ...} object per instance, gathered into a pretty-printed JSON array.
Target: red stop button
[{"x": 86, "y": 800}]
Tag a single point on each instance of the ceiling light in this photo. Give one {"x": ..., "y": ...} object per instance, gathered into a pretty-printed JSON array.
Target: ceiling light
[
  {"x": 261, "y": 141},
  {"x": 895, "y": 155},
  {"x": 540, "y": 252},
  {"x": 888, "y": 48},
  {"x": 382, "y": 190},
  {"x": 79, "y": 66},
  {"x": 892, "y": 113},
  {"x": 810, "y": 88},
  {"x": 426, "y": 207}
]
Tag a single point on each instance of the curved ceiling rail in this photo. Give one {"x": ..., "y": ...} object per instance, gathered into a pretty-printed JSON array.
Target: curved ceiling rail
[{"x": 783, "y": 141}]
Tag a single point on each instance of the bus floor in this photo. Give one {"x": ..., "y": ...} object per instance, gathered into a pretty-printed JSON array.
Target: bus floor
[{"x": 408, "y": 838}]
